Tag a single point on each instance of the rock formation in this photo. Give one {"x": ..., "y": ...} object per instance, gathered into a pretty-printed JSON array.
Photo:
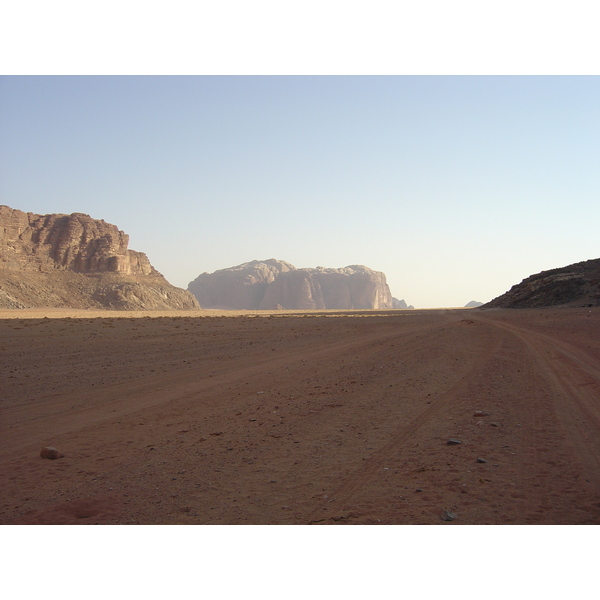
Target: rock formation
[
  {"x": 400, "y": 304},
  {"x": 273, "y": 284},
  {"x": 473, "y": 304},
  {"x": 574, "y": 285},
  {"x": 74, "y": 261}
]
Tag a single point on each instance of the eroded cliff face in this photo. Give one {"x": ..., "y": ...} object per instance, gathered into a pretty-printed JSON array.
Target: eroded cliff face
[
  {"x": 238, "y": 287},
  {"x": 75, "y": 242},
  {"x": 75, "y": 261},
  {"x": 273, "y": 284},
  {"x": 573, "y": 285}
]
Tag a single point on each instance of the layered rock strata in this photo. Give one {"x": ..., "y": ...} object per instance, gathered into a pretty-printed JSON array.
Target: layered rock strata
[
  {"x": 74, "y": 261},
  {"x": 275, "y": 284}
]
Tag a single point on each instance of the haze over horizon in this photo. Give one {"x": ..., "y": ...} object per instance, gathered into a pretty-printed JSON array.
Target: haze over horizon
[{"x": 456, "y": 187}]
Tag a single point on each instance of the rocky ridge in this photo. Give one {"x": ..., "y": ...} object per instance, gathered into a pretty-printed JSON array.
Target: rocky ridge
[
  {"x": 275, "y": 284},
  {"x": 74, "y": 261},
  {"x": 574, "y": 285}
]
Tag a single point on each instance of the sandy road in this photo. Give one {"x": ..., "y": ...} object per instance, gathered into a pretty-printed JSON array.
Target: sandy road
[
  {"x": 574, "y": 377},
  {"x": 139, "y": 394},
  {"x": 294, "y": 419}
]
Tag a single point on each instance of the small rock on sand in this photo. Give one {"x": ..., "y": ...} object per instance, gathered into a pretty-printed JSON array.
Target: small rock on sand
[
  {"x": 50, "y": 452},
  {"x": 480, "y": 413},
  {"x": 448, "y": 516},
  {"x": 453, "y": 442}
]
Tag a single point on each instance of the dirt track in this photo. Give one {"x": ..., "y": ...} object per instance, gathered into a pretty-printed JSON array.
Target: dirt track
[{"x": 290, "y": 419}]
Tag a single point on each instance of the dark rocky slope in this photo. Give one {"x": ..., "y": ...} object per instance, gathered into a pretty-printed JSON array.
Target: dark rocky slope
[{"x": 573, "y": 285}]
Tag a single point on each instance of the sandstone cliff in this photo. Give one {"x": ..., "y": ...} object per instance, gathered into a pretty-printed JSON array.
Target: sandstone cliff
[
  {"x": 573, "y": 285},
  {"x": 74, "y": 261},
  {"x": 273, "y": 284}
]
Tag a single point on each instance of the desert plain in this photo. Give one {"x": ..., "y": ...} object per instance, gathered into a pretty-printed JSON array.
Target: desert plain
[{"x": 448, "y": 417}]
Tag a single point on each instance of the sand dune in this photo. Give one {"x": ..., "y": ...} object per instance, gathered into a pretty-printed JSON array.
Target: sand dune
[{"x": 288, "y": 418}]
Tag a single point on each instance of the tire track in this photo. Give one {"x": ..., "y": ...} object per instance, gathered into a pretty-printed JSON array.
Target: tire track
[
  {"x": 574, "y": 378},
  {"x": 361, "y": 477},
  {"x": 58, "y": 415}
]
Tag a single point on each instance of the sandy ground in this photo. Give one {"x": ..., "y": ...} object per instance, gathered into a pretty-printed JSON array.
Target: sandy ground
[{"x": 200, "y": 418}]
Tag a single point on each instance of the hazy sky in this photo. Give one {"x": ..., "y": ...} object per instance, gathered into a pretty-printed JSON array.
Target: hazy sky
[{"x": 455, "y": 187}]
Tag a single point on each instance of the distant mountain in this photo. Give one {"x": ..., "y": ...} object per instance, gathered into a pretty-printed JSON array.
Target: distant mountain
[
  {"x": 473, "y": 304},
  {"x": 573, "y": 285},
  {"x": 400, "y": 304},
  {"x": 275, "y": 284},
  {"x": 74, "y": 261}
]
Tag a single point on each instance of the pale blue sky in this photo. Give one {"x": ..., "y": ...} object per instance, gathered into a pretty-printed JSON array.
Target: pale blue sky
[{"x": 455, "y": 187}]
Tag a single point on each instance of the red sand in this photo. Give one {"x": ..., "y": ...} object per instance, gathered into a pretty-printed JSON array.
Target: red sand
[{"x": 289, "y": 419}]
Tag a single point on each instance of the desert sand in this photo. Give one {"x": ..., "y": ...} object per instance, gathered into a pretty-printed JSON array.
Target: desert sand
[{"x": 301, "y": 418}]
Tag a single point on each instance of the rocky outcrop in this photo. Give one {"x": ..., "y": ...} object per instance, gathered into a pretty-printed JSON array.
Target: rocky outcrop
[
  {"x": 74, "y": 261},
  {"x": 574, "y": 285},
  {"x": 273, "y": 284},
  {"x": 76, "y": 242}
]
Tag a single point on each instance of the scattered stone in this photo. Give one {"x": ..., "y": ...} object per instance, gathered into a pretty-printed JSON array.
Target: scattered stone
[
  {"x": 495, "y": 424},
  {"x": 419, "y": 490},
  {"x": 449, "y": 516},
  {"x": 453, "y": 442},
  {"x": 480, "y": 413},
  {"x": 50, "y": 452},
  {"x": 481, "y": 460}
]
